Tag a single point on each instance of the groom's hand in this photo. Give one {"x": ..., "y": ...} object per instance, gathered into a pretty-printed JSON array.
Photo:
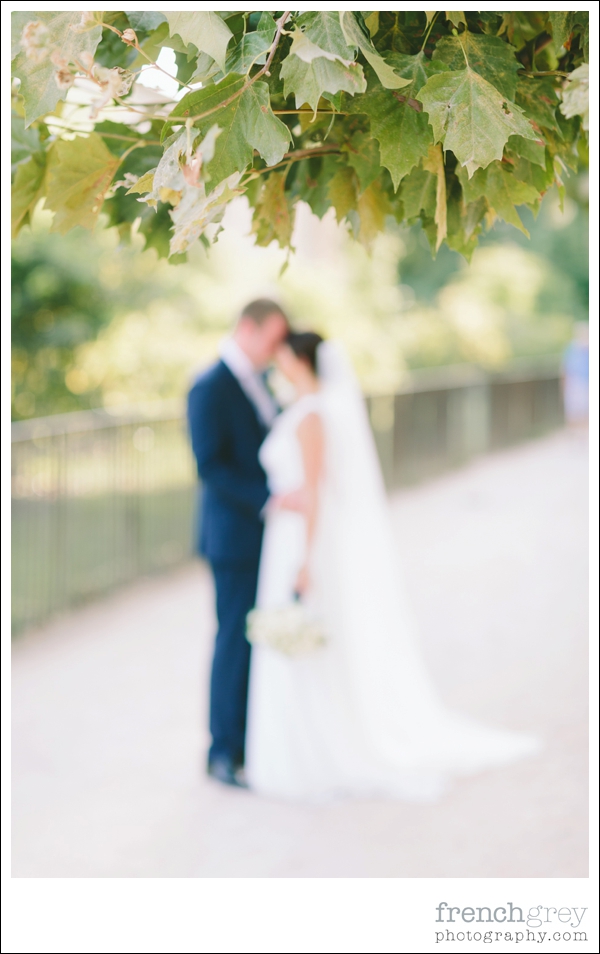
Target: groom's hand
[{"x": 295, "y": 500}]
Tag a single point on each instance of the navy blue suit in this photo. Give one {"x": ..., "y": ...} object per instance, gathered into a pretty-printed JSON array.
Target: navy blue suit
[{"x": 226, "y": 434}]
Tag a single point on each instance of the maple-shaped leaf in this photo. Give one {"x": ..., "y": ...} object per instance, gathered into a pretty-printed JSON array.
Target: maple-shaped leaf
[
  {"x": 356, "y": 36},
  {"x": 531, "y": 149},
  {"x": 363, "y": 155},
  {"x": 434, "y": 163},
  {"x": 324, "y": 31},
  {"x": 253, "y": 47},
  {"x": 26, "y": 192},
  {"x": 397, "y": 120},
  {"x": 538, "y": 177},
  {"x": 68, "y": 35},
  {"x": 502, "y": 190},
  {"x": 490, "y": 56},
  {"x": 308, "y": 81},
  {"x": 419, "y": 193},
  {"x": 18, "y": 21},
  {"x": 273, "y": 218},
  {"x": 456, "y": 18},
  {"x": 23, "y": 142},
  {"x": 207, "y": 31},
  {"x": 146, "y": 21},
  {"x": 564, "y": 23},
  {"x": 464, "y": 222},
  {"x": 198, "y": 208},
  {"x": 471, "y": 118},
  {"x": 311, "y": 178},
  {"x": 247, "y": 123},
  {"x": 342, "y": 192},
  {"x": 372, "y": 207},
  {"x": 79, "y": 174},
  {"x": 538, "y": 100}
]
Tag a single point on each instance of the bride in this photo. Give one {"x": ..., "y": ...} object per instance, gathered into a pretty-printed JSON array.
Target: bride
[{"x": 359, "y": 715}]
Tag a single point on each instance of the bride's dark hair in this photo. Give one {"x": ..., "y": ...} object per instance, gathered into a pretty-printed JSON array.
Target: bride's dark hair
[{"x": 304, "y": 344}]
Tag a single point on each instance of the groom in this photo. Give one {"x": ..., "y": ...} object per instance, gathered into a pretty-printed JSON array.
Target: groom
[{"x": 230, "y": 411}]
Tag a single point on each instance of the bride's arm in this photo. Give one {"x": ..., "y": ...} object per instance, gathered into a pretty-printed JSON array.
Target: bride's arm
[{"x": 311, "y": 439}]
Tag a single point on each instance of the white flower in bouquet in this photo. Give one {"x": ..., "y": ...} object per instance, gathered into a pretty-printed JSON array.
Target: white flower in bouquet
[{"x": 288, "y": 629}]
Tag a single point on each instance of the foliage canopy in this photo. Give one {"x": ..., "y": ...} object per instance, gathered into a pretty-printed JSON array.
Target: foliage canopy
[{"x": 451, "y": 119}]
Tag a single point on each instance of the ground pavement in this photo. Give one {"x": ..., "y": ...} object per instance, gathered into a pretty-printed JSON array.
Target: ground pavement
[{"x": 110, "y": 702}]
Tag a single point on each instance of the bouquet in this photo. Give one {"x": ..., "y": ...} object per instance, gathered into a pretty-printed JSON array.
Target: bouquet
[{"x": 288, "y": 629}]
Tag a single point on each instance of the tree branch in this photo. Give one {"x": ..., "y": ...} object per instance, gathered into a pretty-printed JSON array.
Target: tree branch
[{"x": 227, "y": 102}]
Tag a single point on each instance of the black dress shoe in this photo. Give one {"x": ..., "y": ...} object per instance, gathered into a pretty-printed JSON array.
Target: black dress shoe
[{"x": 227, "y": 773}]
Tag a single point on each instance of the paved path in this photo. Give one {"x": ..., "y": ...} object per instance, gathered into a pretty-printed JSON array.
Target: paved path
[{"x": 109, "y": 705}]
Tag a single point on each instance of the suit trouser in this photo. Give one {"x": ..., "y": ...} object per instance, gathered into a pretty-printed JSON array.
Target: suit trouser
[{"x": 236, "y": 593}]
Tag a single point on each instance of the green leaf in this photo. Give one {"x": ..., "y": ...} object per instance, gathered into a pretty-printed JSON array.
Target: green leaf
[
  {"x": 323, "y": 28},
  {"x": 502, "y": 190},
  {"x": 197, "y": 209},
  {"x": 537, "y": 98},
  {"x": 156, "y": 226},
  {"x": 335, "y": 99},
  {"x": 79, "y": 174},
  {"x": 201, "y": 101},
  {"x": 434, "y": 163},
  {"x": 419, "y": 194},
  {"x": 26, "y": 191},
  {"x": 144, "y": 184},
  {"x": 471, "y": 118},
  {"x": 456, "y": 17},
  {"x": 23, "y": 142},
  {"x": 146, "y": 21},
  {"x": 308, "y": 81},
  {"x": 464, "y": 222},
  {"x": 491, "y": 57},
  {"x": 252, "y": 48},
  {"x": 371, "y": 22},
  {"x": 248, "y": 123},
  {"x": 563, "y": 24},
  {"x": 69, "y": 39},
  {"x": 534, "y": 175},
  {"x": 355, "y": 36},
  {"x": 532, "y": 150},
  {"x": 18, "y": 21},
  {"x": 363, "y": 155},
  {"x": 310, "y": 182},
  {"x": 263, "y": 131},
  {"x": 397, "y": 121},
  {"x": 417, "y": 69},
  {"x": 273, "y": 218},
  {"x": 206, "y": 69},
  {"x": 207, "y": 31},
  {"x": 342, "y": 192},
  {"x": 372, "y": 207}
]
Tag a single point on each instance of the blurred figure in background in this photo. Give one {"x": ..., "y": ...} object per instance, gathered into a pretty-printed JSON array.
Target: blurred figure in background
[
  {"x": 230, "y": 411},
  {"x": 575, "y": 370}
]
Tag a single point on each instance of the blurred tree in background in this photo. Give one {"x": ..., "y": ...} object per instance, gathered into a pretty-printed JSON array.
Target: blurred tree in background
[
  {"x": 65, "y": 290},
  {"x": 97, "y": 323},
  {"x": 57, "y": 304}
]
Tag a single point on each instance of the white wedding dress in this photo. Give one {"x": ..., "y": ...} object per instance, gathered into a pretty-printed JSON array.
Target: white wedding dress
[{"x": 359, "y": 716}]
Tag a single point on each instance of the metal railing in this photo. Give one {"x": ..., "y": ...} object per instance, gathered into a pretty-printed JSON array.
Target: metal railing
[
  {"x": 100, "y": 498},
  {"x": 443, "y": 417}
]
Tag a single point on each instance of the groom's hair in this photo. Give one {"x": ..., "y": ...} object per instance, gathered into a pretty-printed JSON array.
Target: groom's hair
[{"x": 260, "y": 309}]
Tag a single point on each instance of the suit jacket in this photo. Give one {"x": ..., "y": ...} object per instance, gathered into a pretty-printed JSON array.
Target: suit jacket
[{"x": 226, "y": 434}]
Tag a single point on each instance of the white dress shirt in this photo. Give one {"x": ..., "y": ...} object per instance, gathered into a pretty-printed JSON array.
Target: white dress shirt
[{"x": 250, "y": 380}]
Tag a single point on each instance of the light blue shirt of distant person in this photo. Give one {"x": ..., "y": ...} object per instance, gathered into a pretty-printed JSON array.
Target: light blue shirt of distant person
[{"x": 576, "y": 370}]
